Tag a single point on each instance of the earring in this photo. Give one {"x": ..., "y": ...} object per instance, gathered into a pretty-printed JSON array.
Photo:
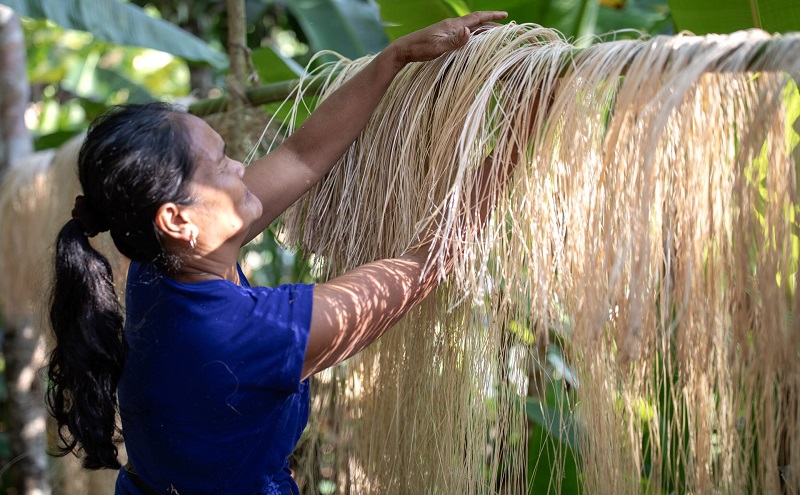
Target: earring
[{"x": 193, "y": 240}]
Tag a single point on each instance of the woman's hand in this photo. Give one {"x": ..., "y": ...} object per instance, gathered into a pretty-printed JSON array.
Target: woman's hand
[{"x": 442, "y": 37}]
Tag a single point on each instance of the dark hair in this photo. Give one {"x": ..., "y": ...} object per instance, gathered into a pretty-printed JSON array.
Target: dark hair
[{"x": 135, "y": 158}]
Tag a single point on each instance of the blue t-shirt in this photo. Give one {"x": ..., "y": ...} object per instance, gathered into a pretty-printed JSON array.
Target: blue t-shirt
[{"x": 210, "y": 396}]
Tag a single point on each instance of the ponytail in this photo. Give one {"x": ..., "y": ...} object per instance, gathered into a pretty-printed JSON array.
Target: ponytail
[
  {"x": 135, "y": 158},
  {"x": 86, "y": 363}
]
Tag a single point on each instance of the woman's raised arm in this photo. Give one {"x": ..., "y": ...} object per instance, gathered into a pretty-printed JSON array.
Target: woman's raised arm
[{"x": 281, "y": 177}]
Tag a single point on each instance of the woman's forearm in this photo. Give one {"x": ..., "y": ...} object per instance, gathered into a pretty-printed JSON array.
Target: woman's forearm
[
  {"x": 354, "y": 310},
  {"x": 337, "y": 121}
]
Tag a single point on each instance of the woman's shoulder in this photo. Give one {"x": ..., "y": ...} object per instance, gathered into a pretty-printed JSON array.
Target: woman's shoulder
[
  {"x": 147, "y": 284},
  {"x": 219, "y": 321}
]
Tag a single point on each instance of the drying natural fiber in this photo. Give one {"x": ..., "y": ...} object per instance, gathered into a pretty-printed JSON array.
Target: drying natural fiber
[
  {"x": 648, "y": 234},
  {"x": 23, "y": 191},
  {"x": 36, "y": 198}
]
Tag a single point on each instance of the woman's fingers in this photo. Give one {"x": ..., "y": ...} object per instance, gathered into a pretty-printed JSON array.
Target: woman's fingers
[
  {"x": 480, "y": 21},
  {"x": 483, "y": 27},
  {"x": 445, "y": 36},
  {"x": 475, "y": 18}
]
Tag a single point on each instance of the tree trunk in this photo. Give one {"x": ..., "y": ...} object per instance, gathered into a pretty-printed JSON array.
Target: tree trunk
[
  {"x": 201, "y": 80},
  {"x": 23, "y": 347},
  {"x": 237, "y": 50},
  {"x": 15, "y": 140},
  {"x": 237, "y": 78},
  {"x": 22, "y": 344}
]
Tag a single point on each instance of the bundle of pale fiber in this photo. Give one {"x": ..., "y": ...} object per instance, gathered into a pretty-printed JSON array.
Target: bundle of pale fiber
[{"x": 649, "y": 228}]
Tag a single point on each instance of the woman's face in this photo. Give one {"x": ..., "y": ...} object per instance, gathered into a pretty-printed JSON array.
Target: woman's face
[{"x": 224, "y": 208}]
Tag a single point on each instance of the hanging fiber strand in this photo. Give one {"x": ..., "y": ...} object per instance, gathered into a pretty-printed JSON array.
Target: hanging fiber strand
[{"x": 648, "y": 234}]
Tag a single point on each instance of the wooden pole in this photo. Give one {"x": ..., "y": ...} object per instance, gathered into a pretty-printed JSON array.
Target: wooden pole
[
  {"x": 261, "y": 95},
  {"x": 277, "y": 92},
  {"x": 237, "y": 77}
]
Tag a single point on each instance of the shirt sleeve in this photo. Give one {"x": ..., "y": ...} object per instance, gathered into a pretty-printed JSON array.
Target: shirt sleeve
[{"x": 274, "y": 345}]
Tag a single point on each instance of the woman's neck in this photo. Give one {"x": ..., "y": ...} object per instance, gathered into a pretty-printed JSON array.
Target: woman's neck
[
  {"x": 189, "y": 277},
  {"x": 205, "y": 268}
]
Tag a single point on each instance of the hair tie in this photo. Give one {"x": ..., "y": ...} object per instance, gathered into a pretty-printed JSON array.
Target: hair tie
[{"x": 90, "y": 222}]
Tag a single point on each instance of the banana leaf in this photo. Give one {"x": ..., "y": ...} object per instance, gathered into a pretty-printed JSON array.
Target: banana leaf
[
  {"x": 403, "y": 17},
  {"x": 121, "y": 23},
  {"x": 350, "y": 27},
  {"x": 726, "y": 16},
  {"x": 573, "y": 18}
]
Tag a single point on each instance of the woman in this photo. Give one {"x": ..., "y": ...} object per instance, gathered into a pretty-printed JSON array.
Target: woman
[{"x": 211, "y": 374}]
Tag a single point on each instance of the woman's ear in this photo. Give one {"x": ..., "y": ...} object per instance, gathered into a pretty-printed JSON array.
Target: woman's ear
[{"x": 174, "y": 222}]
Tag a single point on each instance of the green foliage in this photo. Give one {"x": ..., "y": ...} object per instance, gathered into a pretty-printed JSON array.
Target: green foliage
[
  {"x": 349, "y": 27},
  {"x": 271, "y": 66},
  {"x": 573, "y": 18},
  {"x": 121, "y": 23},
  {"x": 409, "y": 15},
  {"x": 725, "y": 16},
  {"x": 645, "y": 16},
  {"x": 75, "y": 77},
  {"x": 552, "y": 442},
  {"x": 268, "y": 264},
  {"x": 551, "y": 419}
]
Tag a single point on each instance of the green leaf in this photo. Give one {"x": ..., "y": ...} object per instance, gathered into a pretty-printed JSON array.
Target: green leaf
[
  {"x": 282, "y": 112},
  {"x": 271, "y": 66},
  {"x": 403, "y": 17},
  {"x": 5, "y": 447},
  {"x": 121, "y": 23},
  {"x": 518, "y": 10},
  {"x": 647, "y": 16},
  {"x": 573, "y": 18},
  {"x": 88, "y": 80},
  {"x": 726, "y": 16},
  {"x": 349, "y": 27},
  {"x": 552, "y": 420},
  {"x": 107, "y": 82},
  {"x": 552, "y": 462},
  {"x": 55, "y": 139},
  {"x": 458, "y": 6}
]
